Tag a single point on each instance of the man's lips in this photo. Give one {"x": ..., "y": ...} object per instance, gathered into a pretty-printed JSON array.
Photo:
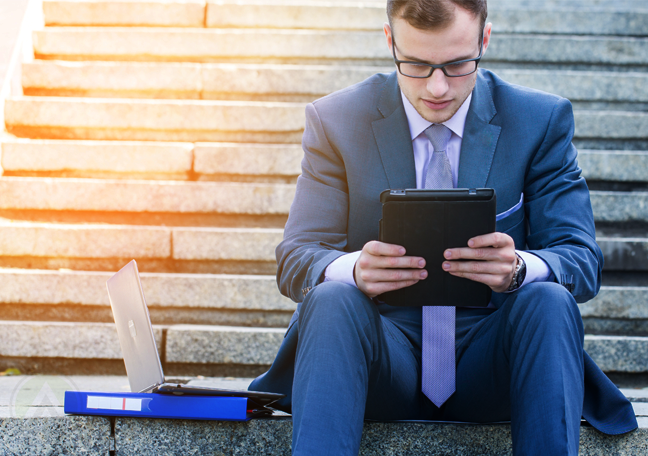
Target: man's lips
[{"x": 437, "y": 105}]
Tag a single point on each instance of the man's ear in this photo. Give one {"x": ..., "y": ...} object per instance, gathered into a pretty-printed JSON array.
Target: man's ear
[
  {"x": 388, "y": 35},
  {"x": 488, "y": 28}
]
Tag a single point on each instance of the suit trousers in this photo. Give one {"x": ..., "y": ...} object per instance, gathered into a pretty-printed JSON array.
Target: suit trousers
[{"x": 357, "y": 359}]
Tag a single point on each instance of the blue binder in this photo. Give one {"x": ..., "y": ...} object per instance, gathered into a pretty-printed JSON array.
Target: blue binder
[{"x": 153, "y": 405}]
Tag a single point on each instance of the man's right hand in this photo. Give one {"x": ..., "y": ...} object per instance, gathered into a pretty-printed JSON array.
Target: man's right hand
[{"x": 384, "y": 267}]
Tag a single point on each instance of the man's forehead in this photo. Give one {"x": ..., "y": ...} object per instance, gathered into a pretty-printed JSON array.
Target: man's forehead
[{"x": 454, "y": 42}]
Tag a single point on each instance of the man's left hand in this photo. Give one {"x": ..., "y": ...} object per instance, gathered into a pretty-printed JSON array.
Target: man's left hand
[{"x": 488, "y": 259}]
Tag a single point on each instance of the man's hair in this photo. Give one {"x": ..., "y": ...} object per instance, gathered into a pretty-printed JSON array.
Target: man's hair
[{"x": 433, "y": 14}]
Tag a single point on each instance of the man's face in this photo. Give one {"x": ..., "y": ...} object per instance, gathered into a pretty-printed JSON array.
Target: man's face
[{"x": 438, "y": 97}]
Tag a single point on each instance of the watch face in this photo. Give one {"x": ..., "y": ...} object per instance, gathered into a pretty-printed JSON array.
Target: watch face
[{"x": 522, "y": 273}]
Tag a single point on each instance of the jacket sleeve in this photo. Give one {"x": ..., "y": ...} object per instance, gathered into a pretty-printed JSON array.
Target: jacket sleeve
[
  {"x": 315, "y": 234},
  {"x": 559, "y": 213}
]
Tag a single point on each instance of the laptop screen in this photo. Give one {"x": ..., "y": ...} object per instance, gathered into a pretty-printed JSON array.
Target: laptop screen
[{"x": 134, "y": 329}]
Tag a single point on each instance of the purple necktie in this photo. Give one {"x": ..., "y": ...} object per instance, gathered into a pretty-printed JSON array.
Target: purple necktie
[{"x": 438, "y": 378}]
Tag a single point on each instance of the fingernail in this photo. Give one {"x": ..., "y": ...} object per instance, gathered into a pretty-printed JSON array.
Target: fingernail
[
  {"x": 423, "y": 274},
  {"x": 421, "y": 263},
  {"x": 448, "y": 254},
  {"x": 401, "y": 251},
  {"x": 446, "y": 266},
  {"x": 471, "y": 243}
]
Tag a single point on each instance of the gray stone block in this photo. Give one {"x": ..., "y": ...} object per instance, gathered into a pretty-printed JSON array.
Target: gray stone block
[
  {"x": 112, "y": 79},
  {"x": 253, "y": 244},
  {"x": 186, "y": 13},
  {"x": 624, "y": 254},
  {"x": 610, "y": 124},
  {"x": 614, "y": 165},
  {"x": 37, "y": 193},
  {"x": 618, "y": 302},
  {"x": 248, "y": 159},
  {"x": 88, "y": 435},
  {"x": 154, "y": 115},
  {"x": 570, "y": 19},
  {"x": 188, "y": 291},
  {"x": 83, "y": 241},
  {"x": 222, "y": 344},
  {"x": 116, "y": 157},
  {"x": 618, "y": 353},
  {"x": 273, "y": 437},
  {"x": 583, "y": 85},
  {"x": 62, "y": 340},
  {"x": 573, "y": 49},
  {"x": 619, "y": 206}
]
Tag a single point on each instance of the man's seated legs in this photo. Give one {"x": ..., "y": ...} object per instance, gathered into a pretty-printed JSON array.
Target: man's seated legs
[
  {"x": 525, "y": 363},
  {"x": 348, "y": 356}
]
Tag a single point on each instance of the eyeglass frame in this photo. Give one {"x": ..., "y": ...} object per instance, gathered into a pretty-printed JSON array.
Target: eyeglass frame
[{"x": 441, "y": 66}]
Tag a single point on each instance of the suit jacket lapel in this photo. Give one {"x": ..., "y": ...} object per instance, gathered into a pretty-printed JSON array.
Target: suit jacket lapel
[
  {"x": 393, "y": 137},
  {"x": 480, "y": 138}
]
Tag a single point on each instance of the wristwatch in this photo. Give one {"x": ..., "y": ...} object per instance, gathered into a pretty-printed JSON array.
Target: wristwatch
[{"x": 518, "y": 275}]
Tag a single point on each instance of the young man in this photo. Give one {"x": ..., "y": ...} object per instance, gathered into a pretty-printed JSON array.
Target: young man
[{"x": 439, "y": 122}]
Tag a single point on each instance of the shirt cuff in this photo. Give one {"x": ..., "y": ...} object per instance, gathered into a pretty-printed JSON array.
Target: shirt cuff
[
  {"x": 341, "y": 269},
  {"x": 536, "y": 268}
]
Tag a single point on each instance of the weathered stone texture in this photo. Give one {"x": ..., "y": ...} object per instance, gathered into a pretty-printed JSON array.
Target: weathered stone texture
[
  {"x": 83, "y": 241},
  {"x": 222, "y": 344},
  {"x": 118, "y": 157},
  {"x": 225, "y": 243}
]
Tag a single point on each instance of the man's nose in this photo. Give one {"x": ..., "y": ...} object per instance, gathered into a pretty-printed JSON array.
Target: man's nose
[{"x": 437, "y": 83}]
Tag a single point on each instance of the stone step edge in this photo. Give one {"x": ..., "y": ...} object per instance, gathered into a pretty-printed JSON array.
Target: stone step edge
[
  {"x": 123, "y": 158},
  {"x": 193, "y": 291},
  {"x": 230, "y": 345},
  {"x": 181, "y": 197},
  {"x": 200, "y": 120},
  {"x": 72, "y": 434},
  {"x": 172, "y": 158},
  {"x": 329, "y": 15},
  {"x": 94, "y": 241},
  {"x": 27, "y": 287},
  {"x": 231, "y": 81}
]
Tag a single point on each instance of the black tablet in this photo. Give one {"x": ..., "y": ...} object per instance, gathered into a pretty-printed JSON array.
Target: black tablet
[{"x": 427, "y": 222}]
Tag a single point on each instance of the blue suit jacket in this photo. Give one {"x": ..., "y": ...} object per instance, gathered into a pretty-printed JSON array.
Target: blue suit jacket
[{"x": 516, "y": 140}]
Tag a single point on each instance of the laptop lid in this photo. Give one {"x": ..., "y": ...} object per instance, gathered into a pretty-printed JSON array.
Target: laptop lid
[{"x": 134, "y": 328}]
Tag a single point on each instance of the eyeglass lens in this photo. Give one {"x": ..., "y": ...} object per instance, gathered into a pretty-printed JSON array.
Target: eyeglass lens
[{"x": 453, "y": 69}]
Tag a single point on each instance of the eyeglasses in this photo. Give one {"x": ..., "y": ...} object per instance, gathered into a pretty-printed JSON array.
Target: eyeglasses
[{"x": 452, "y": 69}]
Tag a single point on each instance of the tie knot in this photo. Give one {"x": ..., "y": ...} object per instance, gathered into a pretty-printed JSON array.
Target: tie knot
[{"x": 439, "y": 135}]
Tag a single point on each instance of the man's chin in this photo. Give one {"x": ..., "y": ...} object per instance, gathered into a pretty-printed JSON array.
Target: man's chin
[{"x": 437, "y": 116}]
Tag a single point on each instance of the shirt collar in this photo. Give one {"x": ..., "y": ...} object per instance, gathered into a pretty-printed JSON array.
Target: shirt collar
[{"x": 418, "y": 124}]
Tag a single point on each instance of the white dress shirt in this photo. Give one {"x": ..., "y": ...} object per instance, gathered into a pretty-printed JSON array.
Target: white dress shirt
[{"x": 341, "y": 270}]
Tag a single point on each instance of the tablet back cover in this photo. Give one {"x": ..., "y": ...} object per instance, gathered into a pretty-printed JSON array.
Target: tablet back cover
[{"x": 427, "y": 229}]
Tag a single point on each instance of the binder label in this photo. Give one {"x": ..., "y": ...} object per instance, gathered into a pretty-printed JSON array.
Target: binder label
[{"x": 114, "y": 403}]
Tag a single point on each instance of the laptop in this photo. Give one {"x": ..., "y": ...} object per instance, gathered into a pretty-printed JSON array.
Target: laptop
[{"x": 138, "y": 346}]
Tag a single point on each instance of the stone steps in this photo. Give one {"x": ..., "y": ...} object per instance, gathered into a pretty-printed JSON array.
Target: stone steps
[
  {"x": 103, "y": 241},
  {"x": 158, "y": 248},
  {"x": 323, "y": 15},
  {"x": 259, "y": 199},
  {"x": 216, "y": 298},
  {"x": 233, "y": 161},
  {"x": 291, "y": 45},
  {"x": 283, "y": 82},
  {"x": 63, "y": 194},
  {"x": 238, "y": 121},
  {"x": 204, "y": 348},
  {"x": 219, "y": 299},
  {"x": 47, "y": 431},
  {"x": 165, "y": 120},
  {"x": 150, "y": 160}
]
